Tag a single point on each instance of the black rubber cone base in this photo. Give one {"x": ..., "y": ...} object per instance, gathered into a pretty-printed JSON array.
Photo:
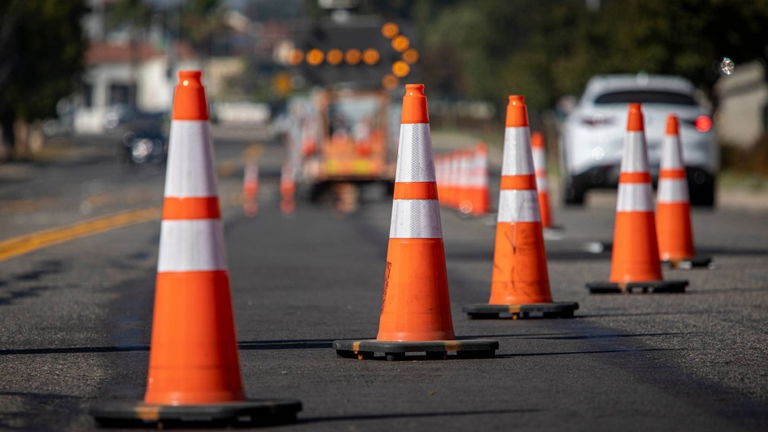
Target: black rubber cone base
[
  {"x": 690, "y": 263},
  {"x": 522, "y": 311},
  {"x": 667, "y": 286},
  {"x": 426, "y": 350},
  {"x": 256, "y": 412}
]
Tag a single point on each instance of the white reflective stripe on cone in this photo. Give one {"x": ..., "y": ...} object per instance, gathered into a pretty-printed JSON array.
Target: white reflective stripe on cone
[
  {"x": 462, "y": 170},
  {"x": 542, "y": 184},
  {"x": 634, "y": 197},
  {"x": 482, "y": 169},
  {"x": 414, "y": 154},
  {"x": 517, "y": 152},
  {"x": 635, "y": 157},
  {"x": 671, "y": 153},
  {"x": 454, "y": 169},
  {"x": 539, "y": 160},
  {"x": 251, "y": 171},
  {"x": 191, "y": 245},
  {"x": 673, "y": 190},
  {"x": 476, "y": 177},
  {"x": 190, "y": 158},
  {"x": 518, "y": 206},
  {"x": 415, "y": 219}
]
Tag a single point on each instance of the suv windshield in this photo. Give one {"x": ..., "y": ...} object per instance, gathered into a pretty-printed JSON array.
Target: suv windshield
[{"x": 645, "y": 96}]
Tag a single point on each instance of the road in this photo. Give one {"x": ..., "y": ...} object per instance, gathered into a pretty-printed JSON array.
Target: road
[{"x": 75, "y": 315}]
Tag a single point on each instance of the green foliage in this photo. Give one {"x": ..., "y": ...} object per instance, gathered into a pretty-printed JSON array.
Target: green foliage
[
  {"x": 545, "y": 49},
  {"x": 200, "y": 20},
  {"x": 42, "y": 48}
]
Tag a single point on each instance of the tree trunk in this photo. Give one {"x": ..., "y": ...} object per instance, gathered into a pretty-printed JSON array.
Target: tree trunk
[{"x": 7, "y": 136}]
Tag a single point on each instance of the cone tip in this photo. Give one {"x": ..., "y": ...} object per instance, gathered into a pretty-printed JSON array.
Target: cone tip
[
  {"x": 414, "y": 89},
  {"x": 673, "y": 127},
  {"x": 537, "y": 140},
  {"x": 187, "y": 77},
  {"x": 189, "y": 102},
  {"x": 635, "y": 118},
  {"x": 414, "y": 105},
  {"x": 517, "y": 113}
]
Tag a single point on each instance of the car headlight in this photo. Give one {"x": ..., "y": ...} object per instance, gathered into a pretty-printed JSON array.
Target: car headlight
[{"x": 141, "y": 149}]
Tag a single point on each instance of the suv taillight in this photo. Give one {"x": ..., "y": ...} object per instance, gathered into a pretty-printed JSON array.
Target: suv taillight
[{"x": 703, "y": 123}]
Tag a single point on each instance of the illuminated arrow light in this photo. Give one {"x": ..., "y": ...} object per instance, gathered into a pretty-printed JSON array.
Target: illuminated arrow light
[
  {"x": 411, "y": 56},
  {"x": 389, "y": 82},
  {"x": 390, "y": 30},
  {"x": 315, "y": 57},
  {"x": 334, "y": 57},
  {"x": 400, "y": 43},
  {"x": 400, "y": 68},
  {"x": 353, "y": 56},
  {"x": 371, "y": 56},
  {"x": 295, "y": 57}
]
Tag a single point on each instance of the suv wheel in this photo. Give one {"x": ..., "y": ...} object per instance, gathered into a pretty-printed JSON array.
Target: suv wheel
[
  {"x": 702, "y": 191},
  {"x": 574, "y": 192}
]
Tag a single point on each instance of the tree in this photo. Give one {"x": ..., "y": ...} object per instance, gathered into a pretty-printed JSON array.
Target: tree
[
  {"x": 42, "y": 48},
  {"x": 545, "y": 49}
]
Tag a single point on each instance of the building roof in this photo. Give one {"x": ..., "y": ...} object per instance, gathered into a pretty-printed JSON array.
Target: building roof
[{"x": 106, "y": 52}]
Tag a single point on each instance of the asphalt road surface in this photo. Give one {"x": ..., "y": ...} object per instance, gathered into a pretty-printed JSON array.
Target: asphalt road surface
[{"x": 75, "y": 316}]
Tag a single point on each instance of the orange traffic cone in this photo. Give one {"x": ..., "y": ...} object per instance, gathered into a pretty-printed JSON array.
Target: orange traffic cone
[
  {"x": 673, "y": 211},
  {"x": 194, "y": 374},
  {"x": 440, "y": 178},
  {"x": 635, "y": 258},
  {"x": 416, "y": 309},
  {"x": 251, "y": 188},
  {"x": 287, "y": 189},
  {"x": 465, "y": 180},
  {"x": 520, "y": 281},
  {"x": 451, "y": 180},
  {"x": 542, "y": 182},
  {"x": 478, "y": 192}
]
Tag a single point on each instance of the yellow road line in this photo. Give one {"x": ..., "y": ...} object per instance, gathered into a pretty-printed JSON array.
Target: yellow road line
[
  {"x": 27, "y": 243},
  {"x": 253, "y": 151},
  {"x": 30, "y": 242}
]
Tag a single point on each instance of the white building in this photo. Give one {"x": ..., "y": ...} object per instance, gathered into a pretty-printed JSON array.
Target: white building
[
  {"x": 119, "y": 75},
  {"x": 743, "y": 112}
]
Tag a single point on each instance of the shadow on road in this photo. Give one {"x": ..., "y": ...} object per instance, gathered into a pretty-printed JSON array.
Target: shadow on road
[
  {"x": 243, "y": 345},
  {"x": 607, "y": 336},
  {"x": 414, "y": 415},
  {"x": 34, "y": 411},
  {"x": 616, "y": 351},
  {"x": 74, "y": 350},
  {"x": 40, "y": 271}
]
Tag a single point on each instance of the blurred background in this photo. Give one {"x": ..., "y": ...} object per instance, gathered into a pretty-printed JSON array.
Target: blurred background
[{"x": 88, "y": 67}]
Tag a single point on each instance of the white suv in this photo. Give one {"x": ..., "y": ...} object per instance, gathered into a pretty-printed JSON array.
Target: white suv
[{"x": 593, "y": 134}]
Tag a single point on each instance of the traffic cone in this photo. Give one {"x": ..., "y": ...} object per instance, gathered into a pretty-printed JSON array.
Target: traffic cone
[
  {"x": 479, "y": 194},
  {"x": 520, "y": 282},
  {"x": 673, "y": 211},
  {"x": 464, "y": 182},
  {"x": 440, "y": 178},
  {"x": 287, "y": 189},
  {"x": 635, "y": 257},
  {"x": 251, "y": 188},
  {"x": 542, "y": 182},
  {"x": 416, "y": 310},
  {"x": 194, "y": 373},
  {"x": 450, "y": 180}
]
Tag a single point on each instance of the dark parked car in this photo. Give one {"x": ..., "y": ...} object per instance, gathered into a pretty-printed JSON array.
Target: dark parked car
[{"x": 144, "y": 146}]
